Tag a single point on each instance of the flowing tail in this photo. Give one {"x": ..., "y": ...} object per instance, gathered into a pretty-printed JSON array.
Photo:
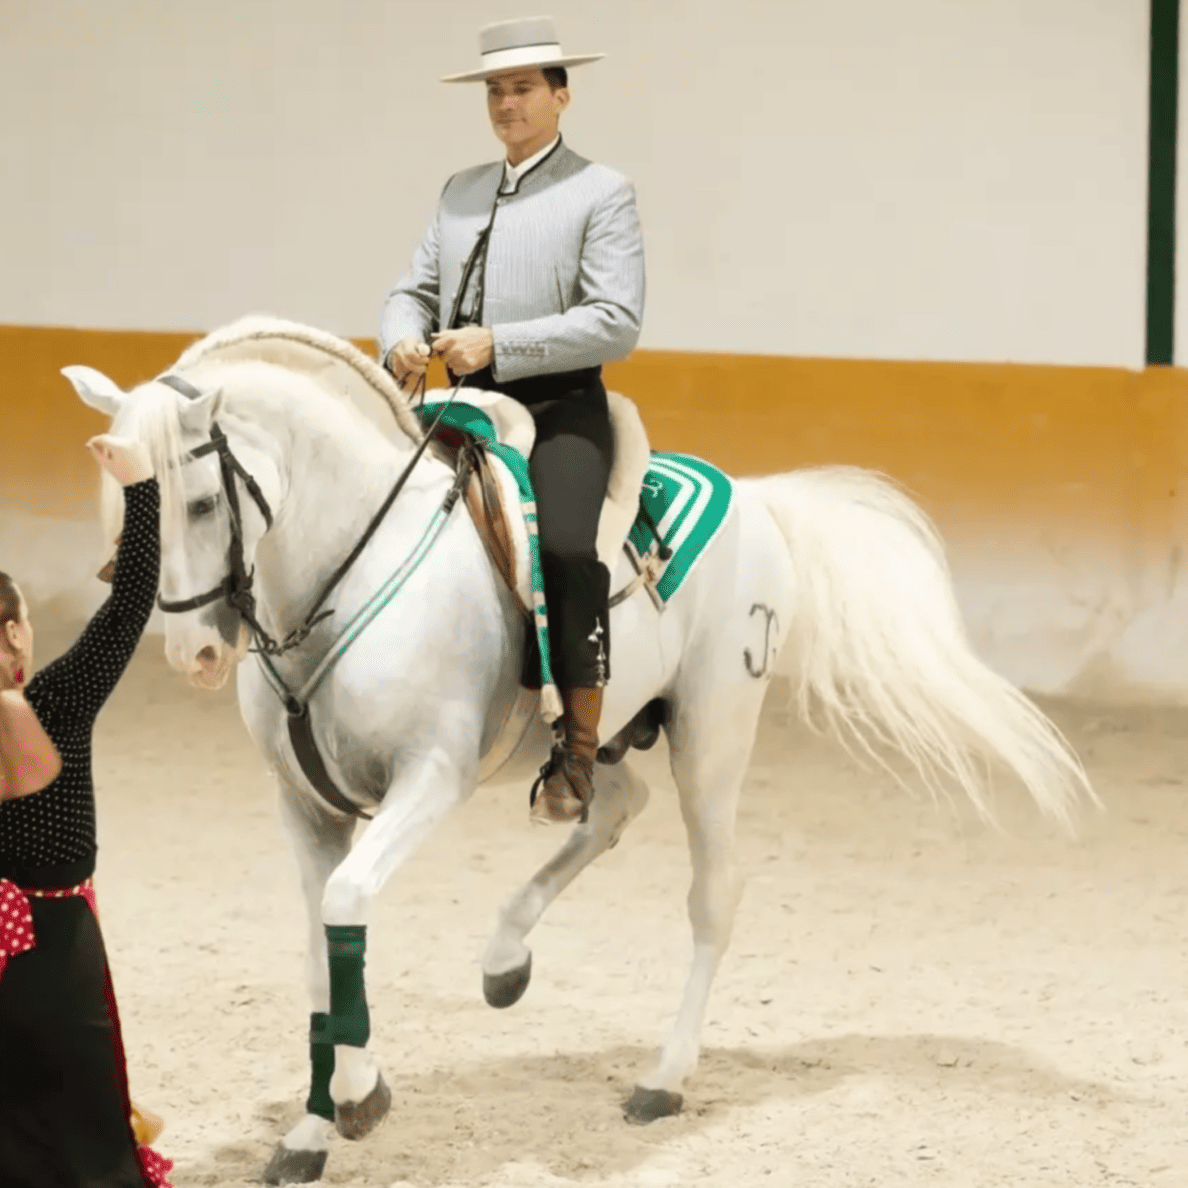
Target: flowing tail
[{"x": 878, "y": 644}]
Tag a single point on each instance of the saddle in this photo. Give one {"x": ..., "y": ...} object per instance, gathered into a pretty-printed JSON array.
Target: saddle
[{"x": 490, "y": 489}]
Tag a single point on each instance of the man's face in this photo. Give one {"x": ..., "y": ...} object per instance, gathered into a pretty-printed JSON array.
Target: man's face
[{"x": 524, "y": 109}]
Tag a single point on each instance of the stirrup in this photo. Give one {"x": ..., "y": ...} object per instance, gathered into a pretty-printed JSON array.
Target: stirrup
[{"x": 547, "y": 768}]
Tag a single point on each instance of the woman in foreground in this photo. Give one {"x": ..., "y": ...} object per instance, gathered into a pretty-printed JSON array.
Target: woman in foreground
[{"x": 66, "y": 1120}]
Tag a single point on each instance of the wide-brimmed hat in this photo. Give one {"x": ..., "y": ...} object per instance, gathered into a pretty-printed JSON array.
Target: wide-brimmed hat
[{"x": 525, "y": 44}]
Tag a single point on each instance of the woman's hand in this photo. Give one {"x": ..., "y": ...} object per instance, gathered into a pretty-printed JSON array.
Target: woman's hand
[{"x": 124, "y": 458}]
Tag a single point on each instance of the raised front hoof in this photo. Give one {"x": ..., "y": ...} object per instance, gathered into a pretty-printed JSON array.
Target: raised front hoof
[
  {"x": 294, "y": 1167},
  {"x": 646, "y": 1105},
  {"x": 506, "y": 989},
  {"x": 357, "y": 1120}
]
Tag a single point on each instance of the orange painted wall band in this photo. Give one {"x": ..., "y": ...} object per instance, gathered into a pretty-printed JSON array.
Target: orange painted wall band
[{"x": 1089, "y": 451}]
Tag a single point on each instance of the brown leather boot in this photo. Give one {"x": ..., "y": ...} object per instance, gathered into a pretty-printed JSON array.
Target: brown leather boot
[{"x": 566, "y": 784}]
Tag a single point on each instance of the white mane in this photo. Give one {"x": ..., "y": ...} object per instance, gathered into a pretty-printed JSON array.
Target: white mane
[{"x": 336, "y": 364}]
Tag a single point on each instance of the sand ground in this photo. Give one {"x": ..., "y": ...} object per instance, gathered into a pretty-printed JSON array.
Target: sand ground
[{"x": 909, "y": 998}]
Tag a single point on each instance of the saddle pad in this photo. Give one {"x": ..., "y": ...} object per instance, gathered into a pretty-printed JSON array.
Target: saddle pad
[{"x": 688, "y": 500}]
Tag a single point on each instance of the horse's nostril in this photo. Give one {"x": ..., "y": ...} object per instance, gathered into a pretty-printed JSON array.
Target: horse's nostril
[{"x": 206, "y": 656}]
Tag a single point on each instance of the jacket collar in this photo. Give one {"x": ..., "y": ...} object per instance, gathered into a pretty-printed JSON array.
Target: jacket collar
[{"x": 550, "y": 159}]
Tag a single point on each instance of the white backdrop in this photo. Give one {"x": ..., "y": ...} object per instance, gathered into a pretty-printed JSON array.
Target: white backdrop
[{"x": 924, "y": 179}]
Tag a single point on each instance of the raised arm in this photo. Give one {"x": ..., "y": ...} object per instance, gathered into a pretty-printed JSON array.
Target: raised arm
[
  {"x": 605, "y": 324},
  {"x": 83, "y": 679}
]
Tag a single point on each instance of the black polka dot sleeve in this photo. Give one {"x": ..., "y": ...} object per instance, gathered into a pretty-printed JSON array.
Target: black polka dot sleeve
[{"x": 48, "y": 839}]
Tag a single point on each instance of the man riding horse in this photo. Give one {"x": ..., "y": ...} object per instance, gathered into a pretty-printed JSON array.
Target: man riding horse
[{"x": 528, "y": 280}]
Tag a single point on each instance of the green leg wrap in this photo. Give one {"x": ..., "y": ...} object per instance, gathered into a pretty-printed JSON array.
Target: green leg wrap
[
  {"x": 349, "y": 1023},
  {"x": 321, "y": 1064}
]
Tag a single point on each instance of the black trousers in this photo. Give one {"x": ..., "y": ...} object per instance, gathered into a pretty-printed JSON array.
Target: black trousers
[
  {"x": 570, "y": 467},
  {"x": 64, "y": 1109}
]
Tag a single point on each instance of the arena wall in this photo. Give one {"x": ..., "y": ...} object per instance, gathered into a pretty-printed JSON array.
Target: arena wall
[
  {"x": 1059, "y": 490},
  {"x": 909, "y": 237},
  {"x": 922, "y": 180}
]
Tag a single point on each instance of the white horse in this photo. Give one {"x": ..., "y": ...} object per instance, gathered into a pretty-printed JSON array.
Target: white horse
[{"x": 858, "y": 611}]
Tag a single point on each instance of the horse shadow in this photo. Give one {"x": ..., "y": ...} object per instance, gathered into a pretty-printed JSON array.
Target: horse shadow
[{"x": 560, "y": 1113}]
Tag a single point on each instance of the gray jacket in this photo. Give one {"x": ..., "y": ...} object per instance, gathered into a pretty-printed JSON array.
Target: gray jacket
[{"x": 563, "y": 286}]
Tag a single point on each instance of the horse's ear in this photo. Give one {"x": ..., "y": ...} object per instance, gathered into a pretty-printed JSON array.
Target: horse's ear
[
  {"x": 95, "y": 389},
  {"x": 196, "y": 413}
]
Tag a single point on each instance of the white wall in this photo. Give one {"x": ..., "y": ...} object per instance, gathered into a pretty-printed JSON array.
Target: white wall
[{"x": 923, "y": 179}]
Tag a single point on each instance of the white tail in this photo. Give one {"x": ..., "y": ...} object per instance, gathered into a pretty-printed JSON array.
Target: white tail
[{"x": 878, "y": 643}]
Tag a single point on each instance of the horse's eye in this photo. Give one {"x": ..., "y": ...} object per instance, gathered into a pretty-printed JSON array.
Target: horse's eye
[{"x": 202, "y": 507}]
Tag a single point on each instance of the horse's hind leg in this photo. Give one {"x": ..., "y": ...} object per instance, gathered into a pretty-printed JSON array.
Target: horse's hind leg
[
  {"x": 620, "y": 796},
  {"x": 320, "y": 842},
  {"x": 710, "y": 748}
]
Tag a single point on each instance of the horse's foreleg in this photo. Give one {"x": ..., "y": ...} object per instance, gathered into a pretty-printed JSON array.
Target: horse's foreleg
[
  {"x": 709, "y": 760},
  {"x": 620, "y": 796},
  {"x": 411, "y": 809},
  {"x": 320, "y": 842}
]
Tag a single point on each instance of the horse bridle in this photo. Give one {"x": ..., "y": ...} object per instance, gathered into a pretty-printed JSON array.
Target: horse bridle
[{"x": 236, "y": 587}]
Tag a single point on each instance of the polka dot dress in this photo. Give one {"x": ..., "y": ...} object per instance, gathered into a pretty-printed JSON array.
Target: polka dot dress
[{"x": 52, "y": 832}]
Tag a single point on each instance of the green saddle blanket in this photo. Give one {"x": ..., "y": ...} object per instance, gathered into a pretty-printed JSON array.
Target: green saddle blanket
[
  {"x": 688, "y": 500},
  {"x": 685, "y": 498}
]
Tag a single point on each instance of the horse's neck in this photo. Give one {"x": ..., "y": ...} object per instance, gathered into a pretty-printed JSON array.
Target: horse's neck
[
  {"x": 339, "y": 475},
  {"x": 335, "y": 486}
]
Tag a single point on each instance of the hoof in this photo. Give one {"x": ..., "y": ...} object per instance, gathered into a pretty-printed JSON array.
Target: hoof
[
  {"x": 357, "y": 1120},
  {"x": 646, "y": 1105},
  {"x": 294, "y": 1167},
  {"x": 506, "y": 989}
]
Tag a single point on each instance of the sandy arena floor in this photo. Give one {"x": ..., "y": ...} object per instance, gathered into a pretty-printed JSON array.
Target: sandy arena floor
[{"x": 908, "y": 1000}]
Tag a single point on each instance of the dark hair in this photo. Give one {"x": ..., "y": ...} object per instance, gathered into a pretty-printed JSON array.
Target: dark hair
[
  {"x": 556, "y": 76},
  {"x": 10, "y": 600}
]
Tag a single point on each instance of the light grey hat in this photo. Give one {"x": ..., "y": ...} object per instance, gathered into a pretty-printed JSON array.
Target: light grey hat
[{"x": 525, "y": 44}]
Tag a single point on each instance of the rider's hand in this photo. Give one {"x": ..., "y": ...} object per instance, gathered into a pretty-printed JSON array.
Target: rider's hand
[
  {"x": 407, "y": 361},
  {"x": 466, "y": 350},
  {"x": 124, "y": 458}
]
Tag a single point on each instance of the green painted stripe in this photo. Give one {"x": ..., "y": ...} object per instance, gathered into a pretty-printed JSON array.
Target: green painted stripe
[{"x": 1161, "y": 182}]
